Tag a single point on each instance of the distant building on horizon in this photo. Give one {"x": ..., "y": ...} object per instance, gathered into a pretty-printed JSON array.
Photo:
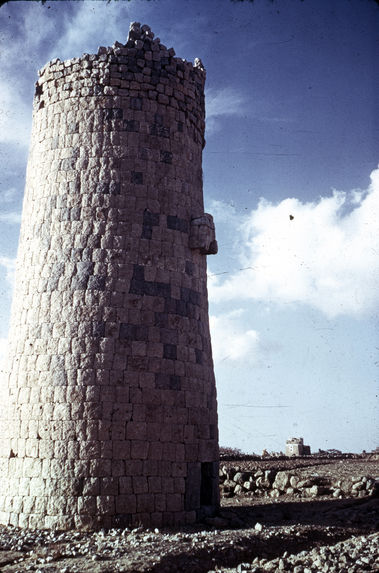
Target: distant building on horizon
[{"x": 296, "y": 447}]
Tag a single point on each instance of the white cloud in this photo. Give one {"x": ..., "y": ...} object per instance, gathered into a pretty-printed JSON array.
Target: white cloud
[
  {"x": 8, "y": 195},
  {"x": 9, "y": 266},
  {"x": 221, "y": 103},
  {"x": 230, "y": 341},
  {"x": 15, "y": 117},
  {"x": 324, "y": 254},
  {"x": 12, "y": 217},
  {"x": 84, "y": 28}
]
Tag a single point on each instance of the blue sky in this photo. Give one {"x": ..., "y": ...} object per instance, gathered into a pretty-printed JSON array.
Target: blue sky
[{"x": 292, "y": 129}]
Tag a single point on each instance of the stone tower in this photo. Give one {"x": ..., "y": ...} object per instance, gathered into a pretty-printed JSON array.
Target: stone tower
[{"x": 112, "y": 415}]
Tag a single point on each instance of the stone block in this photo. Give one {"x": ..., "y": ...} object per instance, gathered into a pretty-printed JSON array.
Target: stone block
[
  {"x": 105, "y": 504},
  {"x": 140, "y": 484},
  {"x": 126, "y": 503},
  {"x": 139, "y": 449},
  {"x": 145, "y": 503}
]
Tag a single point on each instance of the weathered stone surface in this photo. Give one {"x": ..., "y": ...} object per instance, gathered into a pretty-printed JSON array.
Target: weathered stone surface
[
  {"x": 112, "y": 413},
  {"x": 282, "y": 480}
]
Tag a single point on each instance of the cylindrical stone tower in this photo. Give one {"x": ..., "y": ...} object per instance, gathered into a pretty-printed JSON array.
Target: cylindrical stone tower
[{"x": 112, "y": 415}]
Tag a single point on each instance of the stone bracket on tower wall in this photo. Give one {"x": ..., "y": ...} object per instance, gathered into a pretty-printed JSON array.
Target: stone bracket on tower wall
[{"x": 203, "y": 235}]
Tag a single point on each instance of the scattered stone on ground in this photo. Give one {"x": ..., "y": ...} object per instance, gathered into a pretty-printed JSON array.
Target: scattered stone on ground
[{"x": 252, "y": 534}]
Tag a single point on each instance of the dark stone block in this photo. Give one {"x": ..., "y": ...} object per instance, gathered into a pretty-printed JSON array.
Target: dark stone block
[
  {"x": 75, "y": 214},
  {"x": 177, "y": 224},
  {"x": 85, "y": 267},
  {"x": 65, "y": 215},
  {"x": 98, "y": 329},
  {"x": 167, "y": 382},
  {"x": 157, "y": 289},
  {"x": 166, "y": 157},
  {"x": 123, "y": 520},
  {"x": 160, "y": 319},
  {"x": 190, "y": 310},
  {"x": 169, "y": 351},
  {"x": 136, "y": 103},
  {"x": 138, "y": 273},
  {"x": 199, "y": 356},
  {"x": 96, "y": 282},
  {"x": 75, "y": 152},
  {"x": 137, "y": 287},
  {"x": 193, "y": 486},
  {"x": 137, "y": 177},
  {"x": 195, "y": 297},
  {"x": 97, "y": 89},
  {"x": 127, "y": 331},
  {"x": 190, "y": 268},
  {"x": 79, "y": 283},
  {"x": 175, "y": 382},
  {"x": 190, "y": 295},
  {"x": 113, "y": 113},
  {"x": 170, "y": 306},
  {"x": 128, "y": 75},
  {"x": 209, "y": 491},
  {"x": 103, "y": 187},
  {"x": 131, "y": 125},
  {"x": 147, "y": 232},
  {"x": 158, "y": 118},
  {"x": 133, "y": 332},
  {"x": 80, "y": 280},
  {"x": 183, "y": 225},
  {"x": 87, "y": 255},
  {"x": 164, "y": 290},
  {"x": 141, "y": 332},
  {"x": 114, "y": 188},
  {"x": 180, "y": 126},
  {"x": 159, "y": 130},
  {"x": 185, "y": 294},
  {"x": 150, "y": 218},
  {"x": 181, "y": 308},
  {"x": 171, "y": 222}
]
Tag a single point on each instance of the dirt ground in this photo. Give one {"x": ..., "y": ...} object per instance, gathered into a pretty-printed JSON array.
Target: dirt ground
[{"x": 247, "y": 528}]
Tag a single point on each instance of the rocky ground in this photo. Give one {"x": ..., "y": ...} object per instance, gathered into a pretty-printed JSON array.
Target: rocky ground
[{"x": 253, "y": 533}]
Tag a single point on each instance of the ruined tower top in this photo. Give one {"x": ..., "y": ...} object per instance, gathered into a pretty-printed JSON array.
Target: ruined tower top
[{"x": 147, "y": 60}]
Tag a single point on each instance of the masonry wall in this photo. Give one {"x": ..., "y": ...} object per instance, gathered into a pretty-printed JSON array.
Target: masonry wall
[{"x": 112, "y": 405}]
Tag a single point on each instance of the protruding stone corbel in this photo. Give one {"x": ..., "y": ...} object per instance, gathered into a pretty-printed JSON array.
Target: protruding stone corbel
[{"x": 203, "y": 235}]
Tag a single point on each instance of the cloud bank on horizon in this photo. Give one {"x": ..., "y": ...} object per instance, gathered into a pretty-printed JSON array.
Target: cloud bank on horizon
[{"x": 322, "y": 254}]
